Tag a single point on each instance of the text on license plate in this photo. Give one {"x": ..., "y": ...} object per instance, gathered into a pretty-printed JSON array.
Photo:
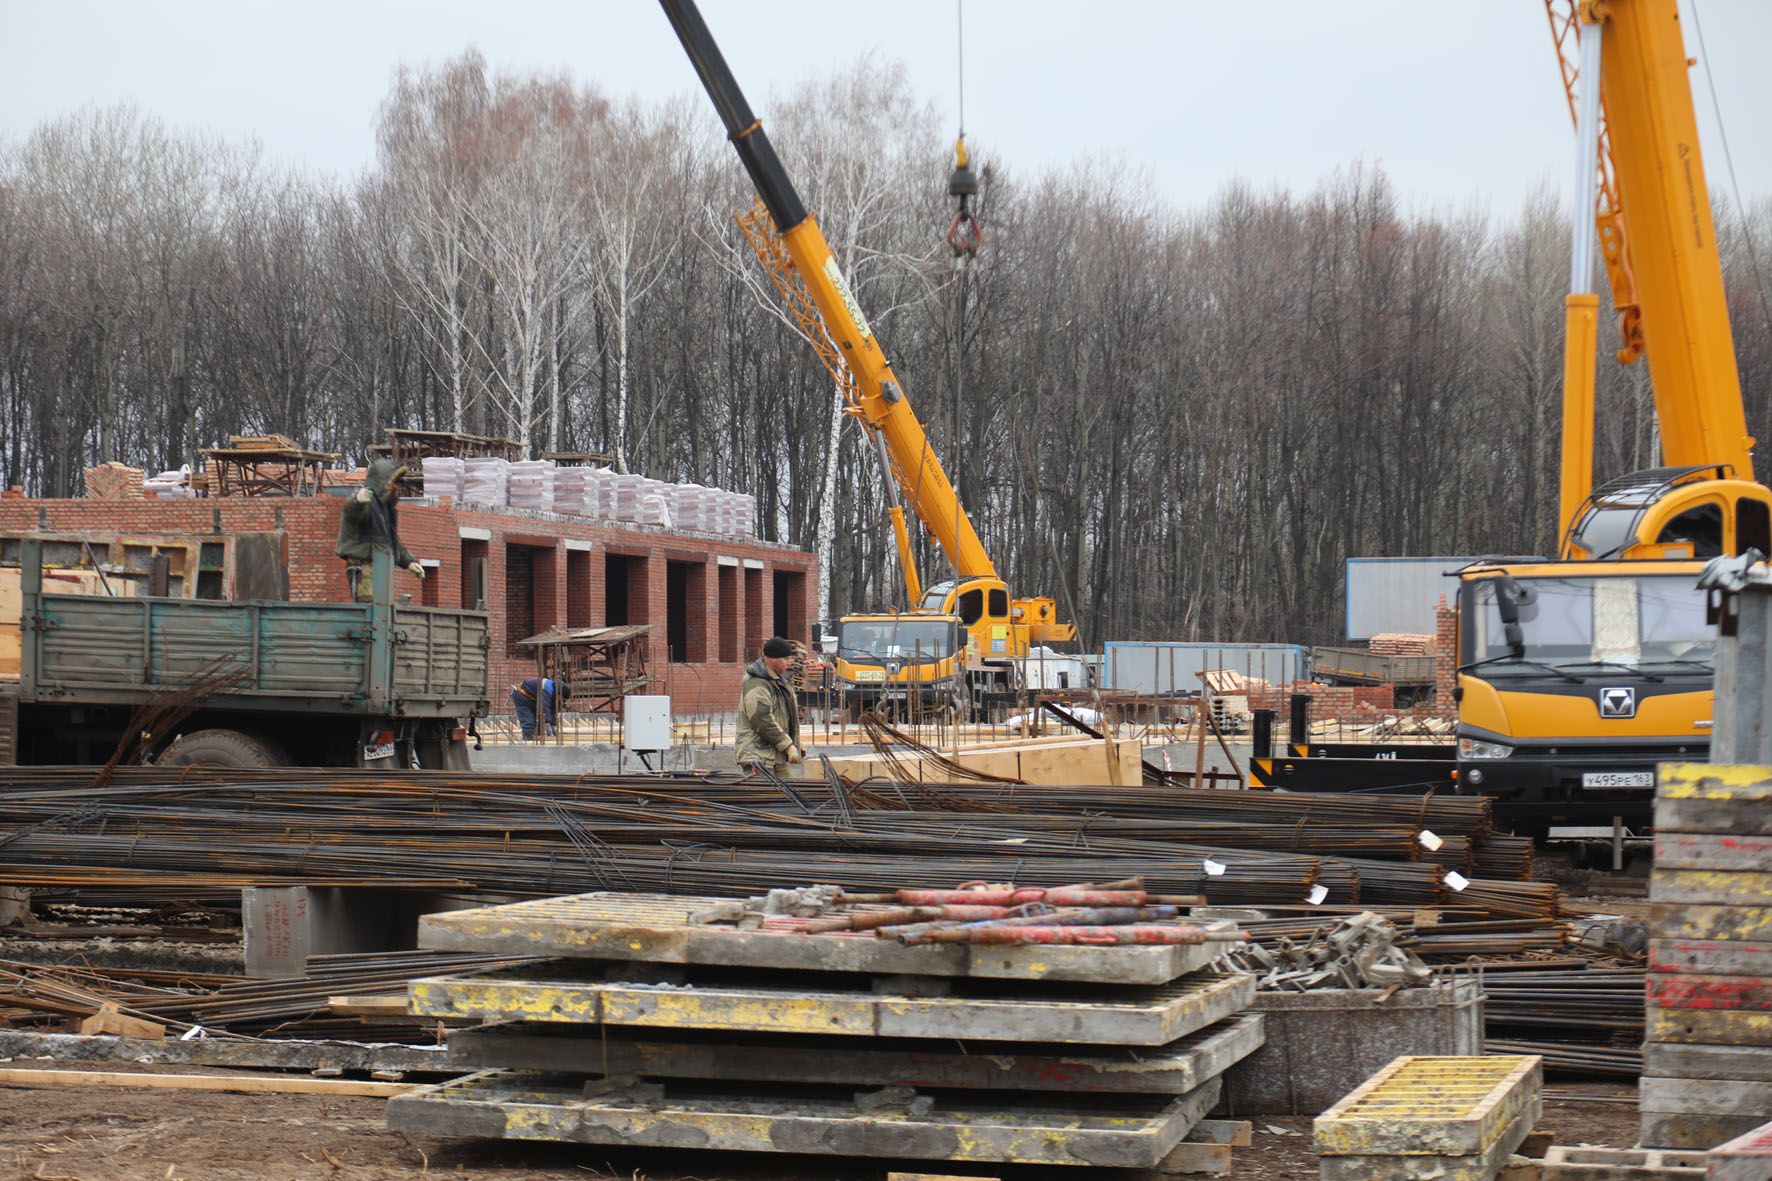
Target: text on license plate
[
  {"x": 378, "y": 750},
  {"x": 1618, "y": 779}
]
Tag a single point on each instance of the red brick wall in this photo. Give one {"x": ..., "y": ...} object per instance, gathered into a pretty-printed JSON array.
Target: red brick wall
[{"x": 560, "y": 587}]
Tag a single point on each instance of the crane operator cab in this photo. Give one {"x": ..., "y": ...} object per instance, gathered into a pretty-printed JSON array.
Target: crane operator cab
[{"x": 1672, "y": 512}]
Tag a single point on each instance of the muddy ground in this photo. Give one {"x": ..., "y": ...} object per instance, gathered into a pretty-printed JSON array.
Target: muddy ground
[{"x": 67, "y": 1133}]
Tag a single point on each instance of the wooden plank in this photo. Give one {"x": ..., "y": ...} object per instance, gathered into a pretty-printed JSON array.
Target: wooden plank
[
  {"x": 1174, "y": 1069},
  {"x": 1750, "y": 993},
  {"x": 565, "y": 991},
  {"x": 109, "y": 1020},
  {"x": 1709, "y": 887},
  {"x": 1118, "y": 1131},
  {"x": 1708, "y": 1027},
  {"x": 1738, "y": 924},
  {"x": 1713, "y": 851},
  {"x": 1710, "y": 957},
  {"x": 201, "y": 1082},
  {"x": 1679, "y": 1060}
]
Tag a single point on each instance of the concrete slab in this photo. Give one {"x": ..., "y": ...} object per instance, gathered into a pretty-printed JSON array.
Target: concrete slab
[
  {"x": 579, "y": 991},
  {"x": 674, "y": 929},
  {"x": 1685, "y": 1129},
  {"x": 1175, "y": 1069},
  {"x": 1115, "y": 1131},
  {"x": 1748, "y": 1157}
]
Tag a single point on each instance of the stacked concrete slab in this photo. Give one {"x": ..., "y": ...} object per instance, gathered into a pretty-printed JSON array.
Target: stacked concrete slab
[
  {"x": 1449, "y": 1119},
  {"x": 658, "y": 1022},
  {"x": 1707, "y": 1059},
  {"x": 1748, "y": 1157}
]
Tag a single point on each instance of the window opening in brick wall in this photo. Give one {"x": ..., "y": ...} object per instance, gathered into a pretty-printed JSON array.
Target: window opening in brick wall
[
  {"x": 686, "y": 611},
  {"x": 578, "y": 588},
  {"x": 754, "y": 635},
  {"x": 728, "y": 608},
  {"x": 474, "y": 593},
  {"x": 519, "y": 597},
  {"x": 790, "y": 605}
]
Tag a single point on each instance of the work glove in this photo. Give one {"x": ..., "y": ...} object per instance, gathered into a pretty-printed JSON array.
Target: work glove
[
  {"x": 364, "y": 495},
  {"x": 795, "y": 754},
  {"x": 418, "y": 571}
]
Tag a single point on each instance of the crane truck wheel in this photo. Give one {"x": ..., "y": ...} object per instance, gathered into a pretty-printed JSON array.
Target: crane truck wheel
[{"x": 222, "y": 748}]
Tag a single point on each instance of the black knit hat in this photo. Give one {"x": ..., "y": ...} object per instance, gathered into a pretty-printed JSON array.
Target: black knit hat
[{"x": 776, "y": 648}]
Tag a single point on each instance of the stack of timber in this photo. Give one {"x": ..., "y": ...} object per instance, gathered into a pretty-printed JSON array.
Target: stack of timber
[
  {"x": 1707, "y": 1069},
  {"x": 670, "y": 1021},
  {"x": 1448, "y": 1119}
]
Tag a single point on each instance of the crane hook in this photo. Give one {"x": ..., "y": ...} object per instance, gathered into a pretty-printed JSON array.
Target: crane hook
[{"x": 965, "y": 235}]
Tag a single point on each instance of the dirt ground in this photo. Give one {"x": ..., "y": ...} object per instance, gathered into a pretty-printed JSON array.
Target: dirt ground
[{"x": 66, "y": 1133}]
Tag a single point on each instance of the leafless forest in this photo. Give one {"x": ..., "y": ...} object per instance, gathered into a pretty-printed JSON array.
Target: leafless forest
[{"x": 1177, "y": 421}]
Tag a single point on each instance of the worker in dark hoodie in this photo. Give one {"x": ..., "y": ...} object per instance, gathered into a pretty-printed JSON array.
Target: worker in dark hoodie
[
  {"x": 768, "y": 715},
  {"x": 370, "y": 521}
]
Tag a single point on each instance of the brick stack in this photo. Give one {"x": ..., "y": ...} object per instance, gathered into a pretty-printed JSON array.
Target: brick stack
[
  {"x": 1707, "y": 1062},
  {"x": 113, "y": 481}
]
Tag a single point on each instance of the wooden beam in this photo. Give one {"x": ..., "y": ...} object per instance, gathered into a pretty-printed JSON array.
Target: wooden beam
[{"x": 260, "y": 1084}]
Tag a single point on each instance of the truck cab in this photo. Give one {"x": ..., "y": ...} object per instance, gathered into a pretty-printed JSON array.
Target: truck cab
[{"x": 1576, "y": 678}]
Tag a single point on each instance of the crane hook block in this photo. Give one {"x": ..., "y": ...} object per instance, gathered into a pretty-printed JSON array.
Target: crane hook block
[{"x": 961, "y": 181}]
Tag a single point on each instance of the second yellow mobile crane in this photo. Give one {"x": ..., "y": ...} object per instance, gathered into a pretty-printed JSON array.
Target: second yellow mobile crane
[{"x": 964, "y": 638}]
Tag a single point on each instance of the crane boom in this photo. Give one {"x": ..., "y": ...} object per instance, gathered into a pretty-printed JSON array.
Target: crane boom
[
  {"x": 1672, "y": 242},
  {"x": 879, "y": 399}
]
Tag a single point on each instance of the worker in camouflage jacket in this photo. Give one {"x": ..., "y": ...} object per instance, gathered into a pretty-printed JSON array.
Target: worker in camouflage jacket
[
  {"x": 768, "y": 715},
  {"x": 370, "y": 521}
]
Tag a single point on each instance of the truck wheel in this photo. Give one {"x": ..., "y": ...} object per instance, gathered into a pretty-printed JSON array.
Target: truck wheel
[{"x": 222, "y": 748}]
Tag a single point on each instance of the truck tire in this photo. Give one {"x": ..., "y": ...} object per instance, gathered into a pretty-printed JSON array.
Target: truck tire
[{"x": 222, "y": 748}]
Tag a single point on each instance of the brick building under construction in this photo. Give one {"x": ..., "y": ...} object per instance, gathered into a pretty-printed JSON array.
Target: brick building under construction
[{"x": 708, "y": 601}]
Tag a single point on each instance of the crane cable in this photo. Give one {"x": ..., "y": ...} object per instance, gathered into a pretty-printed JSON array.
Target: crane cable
[
  {"x": 964, "y": 235},
  {"x": 1729, "y": 162}
]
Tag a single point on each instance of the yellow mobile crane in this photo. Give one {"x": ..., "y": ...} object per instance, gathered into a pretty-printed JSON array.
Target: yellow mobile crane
[
  {"x": 1577, "y": 676},
  {"x": 963, "y": 638}
]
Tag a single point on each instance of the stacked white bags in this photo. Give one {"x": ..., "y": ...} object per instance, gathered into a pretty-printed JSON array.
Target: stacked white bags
[
  {"x": 529, "y": 484},
  {"x": 485, "y": 480},
  {"x": 170, "y": 485},
  {"x": 443, "y": 476}
]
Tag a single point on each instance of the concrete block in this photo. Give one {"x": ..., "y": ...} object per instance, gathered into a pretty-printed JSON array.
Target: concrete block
[
  {"x": 1564, "y": 1163},
  {"x": 1748, "y": 1157},
  {"x": 274, "y": 930},
  {"x": 1322, "y": 1044}
]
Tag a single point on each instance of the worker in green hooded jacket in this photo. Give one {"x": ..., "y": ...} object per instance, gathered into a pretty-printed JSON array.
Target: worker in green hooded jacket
[
  {"x": 370, "y": 521},
  {"x": 768, "y": 712}
]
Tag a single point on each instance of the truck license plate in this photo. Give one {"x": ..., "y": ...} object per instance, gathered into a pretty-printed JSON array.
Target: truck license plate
[
  {"x": 378, "y": 750},
  {"x": 1618, "y": 779}
]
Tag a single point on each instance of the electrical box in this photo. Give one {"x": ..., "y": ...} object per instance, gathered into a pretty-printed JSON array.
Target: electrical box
[{"x": 646, "y": 722}]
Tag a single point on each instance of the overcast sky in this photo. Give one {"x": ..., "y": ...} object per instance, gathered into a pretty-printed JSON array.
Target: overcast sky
[{"x": 1457, "y": 102}]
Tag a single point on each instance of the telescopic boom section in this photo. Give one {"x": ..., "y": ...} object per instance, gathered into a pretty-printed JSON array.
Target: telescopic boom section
[
  {"x": 1673, "y": 245},
  {"x": 881, "y": 401}
]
